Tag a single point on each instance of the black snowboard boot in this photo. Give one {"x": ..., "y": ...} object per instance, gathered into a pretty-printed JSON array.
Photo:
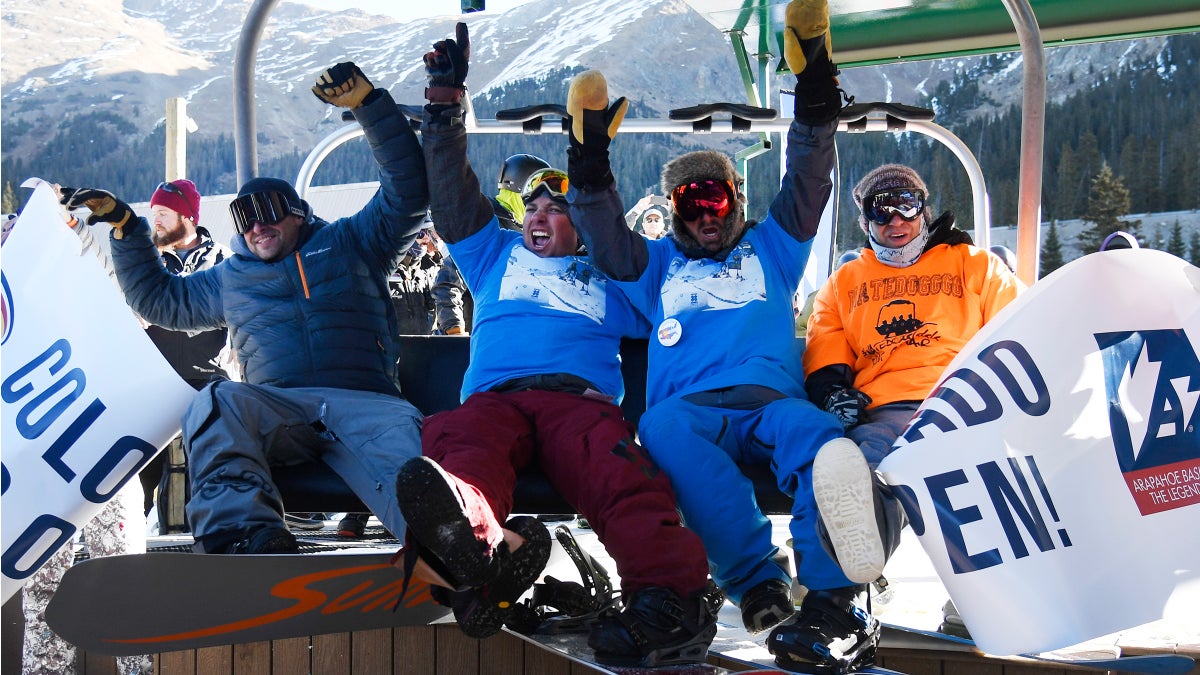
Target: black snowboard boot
[
  {"x": 262, "y": 540},
  {"x": 830, "y": 635},
  {"x": 481, "y": 612},
  {"x": 658, "y": 628},
  {"x": 766, "y": 605},
  {"x": 438, "y": 524}
]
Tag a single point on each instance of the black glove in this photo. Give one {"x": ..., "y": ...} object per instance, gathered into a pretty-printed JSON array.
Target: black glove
[
  {"x": 343, "y": 85},
  {"x": 593, "y": 124},
  {"x": 104, "y": 205},
  {"x": 446, "y": 67},
  {"x": 847, "y": 404}
]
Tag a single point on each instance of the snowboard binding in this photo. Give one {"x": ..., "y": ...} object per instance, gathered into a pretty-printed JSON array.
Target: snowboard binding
[{"x": 566, "y": 606}]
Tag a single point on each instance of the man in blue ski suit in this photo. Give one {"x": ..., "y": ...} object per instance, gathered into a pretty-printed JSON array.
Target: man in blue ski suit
[
  {"x": 312, "y": 322},
  {"x": 725, "y": 383}
]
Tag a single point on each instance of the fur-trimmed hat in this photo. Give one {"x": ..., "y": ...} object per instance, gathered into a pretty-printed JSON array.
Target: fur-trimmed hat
[
  {"x": 887, "y": 177},
  {"x": 699, "y": 165},
  {"x": 181, "y": 197}
]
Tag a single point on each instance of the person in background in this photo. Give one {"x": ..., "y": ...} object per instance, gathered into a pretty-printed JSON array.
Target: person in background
[
  {"x": 185, "y": 247},
  {"x": 543, "y": 385},
  {"x": 307, "y": 305},
  {"x": 1005, "y": 254},
  {"x": 514, "y": 173},
  {"x": 412, "y": 285},
  {"x": 648, "y": 217},
  {"x": 878, "y": 343}
]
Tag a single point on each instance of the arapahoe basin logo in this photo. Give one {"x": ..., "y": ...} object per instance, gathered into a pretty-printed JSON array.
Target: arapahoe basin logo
[
  {"x": 6, "y": 310},
  {"x": 1152, "y": 379}
]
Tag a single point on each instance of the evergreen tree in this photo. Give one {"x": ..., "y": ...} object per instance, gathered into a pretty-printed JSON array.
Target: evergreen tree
[
  {"x": 8, "y": 201},
  {"x": 1052, "y": 255},
  {"x": 1175, "y": 244},
  {"x": 1194, "y": 248},
  {"x": 1108, "y": 200}
]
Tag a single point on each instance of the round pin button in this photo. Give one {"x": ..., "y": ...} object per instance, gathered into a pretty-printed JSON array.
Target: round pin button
[{"x": 669, "y": 332}]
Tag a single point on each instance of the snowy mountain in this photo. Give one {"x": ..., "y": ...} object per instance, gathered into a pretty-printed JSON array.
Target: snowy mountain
[{"x": 63, "y": 58}]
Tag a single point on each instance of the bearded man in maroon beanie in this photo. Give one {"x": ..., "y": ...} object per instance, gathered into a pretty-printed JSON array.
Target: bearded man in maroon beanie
[{"x": 185, "y": 247}]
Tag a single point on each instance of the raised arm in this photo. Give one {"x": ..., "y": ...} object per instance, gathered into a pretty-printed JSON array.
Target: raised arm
[
  {"x": 806, "y": 186},
  {"x": 596, "y": 208},
  {"x": 389, "y": 222},
  {"x": 457, "y": 205}
]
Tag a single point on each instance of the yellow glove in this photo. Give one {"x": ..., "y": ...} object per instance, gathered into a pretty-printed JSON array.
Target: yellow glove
[
  {"x": 806, "y": 34},
  {"x": 343, "y": 85},
  {"x": 593, "y": 121}
]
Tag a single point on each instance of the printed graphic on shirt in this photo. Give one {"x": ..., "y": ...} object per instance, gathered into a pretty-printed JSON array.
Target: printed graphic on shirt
[
  {"x": 694, "y": 285},
  {"x": 562, "y": 284},
  {"x": 898, "y": 325}
]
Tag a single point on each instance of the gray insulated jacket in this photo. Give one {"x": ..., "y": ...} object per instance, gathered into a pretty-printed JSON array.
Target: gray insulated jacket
[{"x": 320, "y": 317}]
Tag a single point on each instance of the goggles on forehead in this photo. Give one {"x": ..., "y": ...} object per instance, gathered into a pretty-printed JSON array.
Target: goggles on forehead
[
  {"x": 692, "y": 200},
  {"x": 553, "y": 181},
  {"x": 261, "y": 207},
  {"x": 170, "y": 187},
  {"x": 881, "y": 206}
]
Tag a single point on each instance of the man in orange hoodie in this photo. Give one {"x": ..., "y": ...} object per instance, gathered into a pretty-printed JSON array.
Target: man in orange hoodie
[{"x": 883, "y": 329}]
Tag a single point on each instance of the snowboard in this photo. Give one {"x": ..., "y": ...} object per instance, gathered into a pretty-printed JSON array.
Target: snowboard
[
  {"x": 1108, "y": 658},
  {"x": 168, "y": 601}
]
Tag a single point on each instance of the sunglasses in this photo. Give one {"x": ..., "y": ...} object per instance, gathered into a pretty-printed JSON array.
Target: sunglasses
[
  {"x": 170, "y": 187},
  {"x": 261, "y": 207},
  {"x": 881, "y": 206},
  {"x": 552, "y": 181},
  {"x": 693, "y": 200}
]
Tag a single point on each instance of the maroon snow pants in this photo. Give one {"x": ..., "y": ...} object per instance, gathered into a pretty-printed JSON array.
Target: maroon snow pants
[{"x": 586, "y": 448}]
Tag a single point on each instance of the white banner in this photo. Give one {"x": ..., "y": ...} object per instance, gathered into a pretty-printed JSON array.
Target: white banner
[
  {"x": 1054, "y": 474},
  {"x": 87, "y": 399}
]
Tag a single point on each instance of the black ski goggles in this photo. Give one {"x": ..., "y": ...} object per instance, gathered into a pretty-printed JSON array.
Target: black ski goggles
[
  {"x": 881, "y": 206},
  {"x": 552, "y": 181},
  {"x": 693, "y": 200},
  {"x": 261, "y": 207}
]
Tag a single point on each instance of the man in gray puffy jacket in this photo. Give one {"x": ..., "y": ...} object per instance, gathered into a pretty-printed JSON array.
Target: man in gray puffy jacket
[{"x": 307, "y": 306}]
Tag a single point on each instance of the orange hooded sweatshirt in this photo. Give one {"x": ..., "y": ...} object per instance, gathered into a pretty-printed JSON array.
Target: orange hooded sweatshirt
[{"x": 898, "y": 328}]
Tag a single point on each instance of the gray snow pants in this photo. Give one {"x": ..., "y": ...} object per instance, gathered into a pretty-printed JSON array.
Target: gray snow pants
[{"x": 235, "y": 432}]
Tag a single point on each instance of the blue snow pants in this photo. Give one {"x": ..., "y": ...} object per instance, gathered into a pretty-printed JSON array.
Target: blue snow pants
[{"x": 699, "y": 446}]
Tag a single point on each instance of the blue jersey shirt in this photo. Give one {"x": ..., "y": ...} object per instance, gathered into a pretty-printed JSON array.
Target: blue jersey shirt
[
  {"x": 721, "y": 323},
  {"x": 538, "y": 315}
]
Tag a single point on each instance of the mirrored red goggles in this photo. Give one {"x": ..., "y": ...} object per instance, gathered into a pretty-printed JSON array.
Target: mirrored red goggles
[
  {"x": 552, "y": 181},
  {"x": 261, "y": 207},
  {"x": 881, "y": 206},
  {"x": 693, "y": 200}
]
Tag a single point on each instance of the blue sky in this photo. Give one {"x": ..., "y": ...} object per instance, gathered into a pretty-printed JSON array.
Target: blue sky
[{"x": 409, "y": 10}]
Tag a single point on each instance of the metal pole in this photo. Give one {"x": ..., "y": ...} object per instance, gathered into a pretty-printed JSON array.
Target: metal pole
[
  {"x": 245, "y": 141},
  {"x": 1033, "y": 131},
  {"x": 176, "y": 132}
]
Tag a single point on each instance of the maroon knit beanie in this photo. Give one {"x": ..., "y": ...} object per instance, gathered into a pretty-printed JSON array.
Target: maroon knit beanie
[{"x": 180, "y": 196}]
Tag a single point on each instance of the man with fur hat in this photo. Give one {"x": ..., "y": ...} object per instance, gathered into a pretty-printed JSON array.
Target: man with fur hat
[
  {"x": 307, "y": 305},
  {"x": 543, "y": 387},
  {"x": 883, "y": 329},
  {"x": 725, "y": 381}
]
